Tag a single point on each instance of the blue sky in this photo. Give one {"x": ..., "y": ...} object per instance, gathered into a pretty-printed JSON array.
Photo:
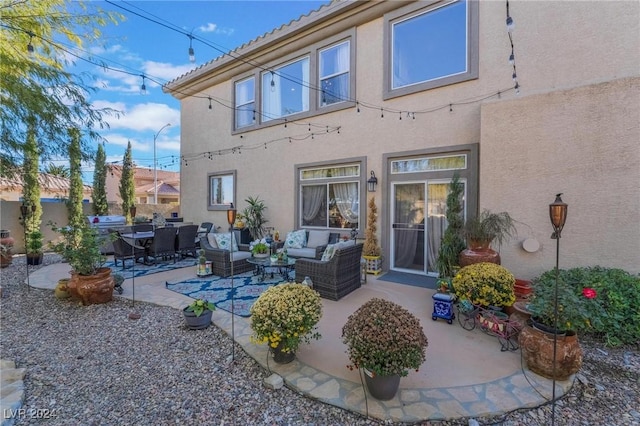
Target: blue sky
[{"x": 139, "y": 46}]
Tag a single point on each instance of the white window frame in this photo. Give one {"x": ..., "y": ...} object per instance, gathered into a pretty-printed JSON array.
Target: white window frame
[
  {"x": 272, "y": 81},
  {"x": 239, "y": 106},
  {"x": 322, "y": 98}
]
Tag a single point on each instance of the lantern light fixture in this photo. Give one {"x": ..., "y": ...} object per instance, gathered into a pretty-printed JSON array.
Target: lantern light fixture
[{"x": 372, "y": 182}]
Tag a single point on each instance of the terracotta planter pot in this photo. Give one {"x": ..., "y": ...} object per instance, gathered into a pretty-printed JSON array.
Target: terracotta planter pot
[
  {"x": 522, "y": 288},
  {"x": 478, "y": 251},
  {"x": 537, "y": 350},
  {"x": 92, "y": 289}
]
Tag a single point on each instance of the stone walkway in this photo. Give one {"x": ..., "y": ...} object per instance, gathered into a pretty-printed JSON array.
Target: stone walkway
[{"x": 309, "y": 375}]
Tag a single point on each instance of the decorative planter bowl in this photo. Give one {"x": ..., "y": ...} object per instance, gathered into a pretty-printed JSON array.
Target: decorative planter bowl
[{"x": 198, "y": 323}]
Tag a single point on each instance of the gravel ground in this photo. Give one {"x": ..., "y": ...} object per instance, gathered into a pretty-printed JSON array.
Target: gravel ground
[{"x": 93, "y": 366}]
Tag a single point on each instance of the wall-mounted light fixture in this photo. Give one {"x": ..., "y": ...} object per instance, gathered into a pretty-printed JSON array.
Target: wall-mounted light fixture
[{"x": 372, "y": 182}]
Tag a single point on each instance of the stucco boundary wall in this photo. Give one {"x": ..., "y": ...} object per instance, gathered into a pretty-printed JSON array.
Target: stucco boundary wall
[
  {"x": 583, "y": 142},
  {"x": 56, "y": 212}
]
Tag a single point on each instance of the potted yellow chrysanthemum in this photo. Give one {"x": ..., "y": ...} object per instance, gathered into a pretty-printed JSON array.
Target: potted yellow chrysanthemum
[{"x": 284, "y": 316}]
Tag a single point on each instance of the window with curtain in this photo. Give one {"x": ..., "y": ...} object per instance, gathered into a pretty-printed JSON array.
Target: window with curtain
[
  {"x": 285, "y": 90},
  {"x": 330, "y": 197},
  {"x": 245, "y": 102},
  {"x": 334, "y": 74}
]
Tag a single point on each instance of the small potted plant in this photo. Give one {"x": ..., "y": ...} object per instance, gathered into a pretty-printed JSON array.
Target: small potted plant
[
  {"x": 259, "y": 248},
  {"x": 485, "y": 284},
  {"x": 198, "y": 314},
  {"x": 385, "y": 340},
  {"x": 254, "y": 218},
  {"x": 284, "y": 317}
]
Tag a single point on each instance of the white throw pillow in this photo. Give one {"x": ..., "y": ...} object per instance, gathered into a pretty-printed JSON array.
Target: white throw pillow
[
  {"x": 212, "y": 240},
  {"x": 318, "y": 238},
  {"x": 328, "y": 252},
  {"x": 296, "y": 239},
  {"x": 224, "y": 241}
]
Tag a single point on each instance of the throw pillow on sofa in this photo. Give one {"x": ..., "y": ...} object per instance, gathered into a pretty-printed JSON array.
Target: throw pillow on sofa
[
  {"x": 296, "y": 239},
  {"x": 318, "y": 238},
  {"x": 212, "y": 240},
  {"x": 328, "y": 252},
  {"x": 224, "y": 241}
]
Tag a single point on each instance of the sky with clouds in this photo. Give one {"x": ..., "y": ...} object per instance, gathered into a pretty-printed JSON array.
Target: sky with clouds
[{"x": 153, "y": 41}]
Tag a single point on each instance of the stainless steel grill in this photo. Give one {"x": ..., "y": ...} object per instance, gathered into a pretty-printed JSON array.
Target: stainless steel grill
[{"x": 103, "y": 223}]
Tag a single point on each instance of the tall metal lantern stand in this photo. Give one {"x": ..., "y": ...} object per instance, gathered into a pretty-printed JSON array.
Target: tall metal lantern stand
[
  {"x": 558, "y": 215},
  {"x": 133, "y": 315},
  {"x": 231, "y": 218}
]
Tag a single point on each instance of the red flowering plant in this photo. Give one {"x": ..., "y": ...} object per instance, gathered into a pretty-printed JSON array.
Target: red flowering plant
[{"x": 578, "y": 308}]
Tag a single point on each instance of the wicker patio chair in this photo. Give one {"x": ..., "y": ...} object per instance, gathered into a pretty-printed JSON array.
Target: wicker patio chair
[
  {"x": 221, "y": 259},
  {"x": 334, "y": 278},
  {"x": 163, "y": 245},
  {"x": 186, "y": 241},
  {"x": 123, "y": 250}
]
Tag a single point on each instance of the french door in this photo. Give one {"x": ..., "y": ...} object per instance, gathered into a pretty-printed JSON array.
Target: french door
[{"x": 418, "y": 222}]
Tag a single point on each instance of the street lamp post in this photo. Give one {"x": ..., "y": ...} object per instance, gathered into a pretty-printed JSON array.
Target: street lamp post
[{"x": 155, "y": 165}]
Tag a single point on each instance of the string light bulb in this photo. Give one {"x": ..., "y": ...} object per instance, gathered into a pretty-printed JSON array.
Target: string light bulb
[
  {"x": 510, "y": 24},
  {"x": 192, "y": 53},
  {"x": 30, "y": 46},
  {"x": 143, "y": 88},
  {"x": 512, "y": 59},
  {"x": 210, "y": 106}
]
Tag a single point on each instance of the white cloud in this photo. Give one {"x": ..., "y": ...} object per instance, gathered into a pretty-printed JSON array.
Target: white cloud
[
  {"x": 208, "y": 28},
  {"x": 141, "y": 117}
]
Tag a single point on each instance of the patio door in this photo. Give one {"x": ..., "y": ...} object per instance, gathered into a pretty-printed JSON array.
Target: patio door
[{"x": 417, "y": 224}]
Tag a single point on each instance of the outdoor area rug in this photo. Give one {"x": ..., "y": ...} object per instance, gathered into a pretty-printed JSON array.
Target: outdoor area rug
[
  {"x": 246, "y": 289},
  {"x": 410, "y": 279},
  {"x": 142, "y": 270}
]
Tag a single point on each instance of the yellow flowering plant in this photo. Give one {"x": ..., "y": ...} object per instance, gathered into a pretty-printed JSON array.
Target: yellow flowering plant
[
  {"x": 286, "y": 315},
  {"x": 485, "y": 284}
]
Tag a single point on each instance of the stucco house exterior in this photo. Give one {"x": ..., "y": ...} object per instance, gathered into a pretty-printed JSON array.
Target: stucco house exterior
[{"x": 415, "y": 91}]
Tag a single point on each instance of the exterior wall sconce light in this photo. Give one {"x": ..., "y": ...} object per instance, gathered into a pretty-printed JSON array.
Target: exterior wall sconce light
[{"x": 372, "y": 182}]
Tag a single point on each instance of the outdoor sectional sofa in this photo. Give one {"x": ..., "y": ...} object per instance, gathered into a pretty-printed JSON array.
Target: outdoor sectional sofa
[{"x": 334, "y": 278}]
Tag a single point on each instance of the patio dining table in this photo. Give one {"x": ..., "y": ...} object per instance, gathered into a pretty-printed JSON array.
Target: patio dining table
[{"x": 142, "y": 238}]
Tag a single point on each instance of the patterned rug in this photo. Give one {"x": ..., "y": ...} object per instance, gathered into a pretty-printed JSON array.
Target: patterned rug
[
  {"x": 246, "y": 289},
  {"x": 142, "y": 270}
]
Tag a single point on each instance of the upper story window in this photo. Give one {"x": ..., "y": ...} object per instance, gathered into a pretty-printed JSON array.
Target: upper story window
[
  {"x": 285, "y": 90},
  {"x": 316, "y": 79},
  {"x": 334, "y": 73},
  {"x": 430, "y": 47},
  {"x": 245, "y": 103}
]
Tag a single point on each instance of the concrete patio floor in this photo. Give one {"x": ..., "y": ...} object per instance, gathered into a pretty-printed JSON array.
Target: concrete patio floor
[{"x": 465, "y": 373}]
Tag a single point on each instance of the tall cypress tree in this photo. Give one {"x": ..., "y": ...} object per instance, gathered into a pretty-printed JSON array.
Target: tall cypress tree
[
  {"x": 452, "y": 241},
  {"x": 74, "y": 203},
  {"x": 31, "y": 187},
  {"x": 99, "y": 196},
  {"x": 127, "y": 188}
]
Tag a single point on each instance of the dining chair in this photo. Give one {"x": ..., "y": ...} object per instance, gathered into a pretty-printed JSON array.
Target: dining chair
[
  {"x": 123, "y": 250},
  {"x": 186, "y": 241},
  {"x": 163, "y": 245}
]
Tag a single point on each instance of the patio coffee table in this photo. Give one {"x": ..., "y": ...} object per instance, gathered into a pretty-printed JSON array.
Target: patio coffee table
[{"x": 283, "y": 267}]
